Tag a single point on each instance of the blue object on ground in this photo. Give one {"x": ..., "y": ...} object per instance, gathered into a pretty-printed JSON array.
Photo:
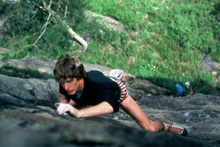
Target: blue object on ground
[{"x": 179, "y": 89}]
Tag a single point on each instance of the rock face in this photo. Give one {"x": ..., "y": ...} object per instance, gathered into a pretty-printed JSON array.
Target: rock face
[
  {"x": 29, "y": 118},
  {"x": 105, "y": 20}
]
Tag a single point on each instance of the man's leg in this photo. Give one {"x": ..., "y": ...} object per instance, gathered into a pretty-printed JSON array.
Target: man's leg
[{"x": 132, "y": 108}]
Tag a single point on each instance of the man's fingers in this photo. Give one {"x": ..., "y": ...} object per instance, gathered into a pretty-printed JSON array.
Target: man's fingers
[
  {"x": 66, "y": 109},
  {"x": 62, "y": 109}
]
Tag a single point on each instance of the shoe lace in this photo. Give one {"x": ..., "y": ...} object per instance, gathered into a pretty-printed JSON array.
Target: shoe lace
[{"x": 173, "y": 129}]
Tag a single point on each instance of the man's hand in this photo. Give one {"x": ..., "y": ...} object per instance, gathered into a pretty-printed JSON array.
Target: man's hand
[
  {"x": 63, "y": 108},
  {"x": 99, "y": 109}
]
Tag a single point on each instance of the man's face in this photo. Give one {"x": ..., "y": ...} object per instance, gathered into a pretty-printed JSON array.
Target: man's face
[
  {"x": 187, "y": 86},
  {"x": 71, "y": 85}
]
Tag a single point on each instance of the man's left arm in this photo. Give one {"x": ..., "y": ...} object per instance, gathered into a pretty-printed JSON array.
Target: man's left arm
[{"x": 99, "y": 109}]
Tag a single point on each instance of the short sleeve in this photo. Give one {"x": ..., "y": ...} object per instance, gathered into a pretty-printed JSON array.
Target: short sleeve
[{"x": 110, "y": 97}]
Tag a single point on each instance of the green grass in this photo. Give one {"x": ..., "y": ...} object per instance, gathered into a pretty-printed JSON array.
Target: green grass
[{"x": 164, "y": 43}]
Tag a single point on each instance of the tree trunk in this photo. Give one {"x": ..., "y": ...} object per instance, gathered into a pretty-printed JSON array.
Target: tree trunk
[
  {"x": 77, "y": 37},
  {"x": 70, "y": 30}
]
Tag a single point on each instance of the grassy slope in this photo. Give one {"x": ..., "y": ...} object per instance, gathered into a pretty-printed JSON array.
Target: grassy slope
[
  {"x": 165, "y": 42},
  {"x": 162, "y": 44}
]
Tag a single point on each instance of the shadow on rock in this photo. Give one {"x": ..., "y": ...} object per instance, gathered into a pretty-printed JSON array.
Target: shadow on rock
[{"x": 36, "y": 130}]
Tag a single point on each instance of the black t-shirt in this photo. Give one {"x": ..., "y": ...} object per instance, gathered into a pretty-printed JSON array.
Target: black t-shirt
[{"x": 97, "y": 88}]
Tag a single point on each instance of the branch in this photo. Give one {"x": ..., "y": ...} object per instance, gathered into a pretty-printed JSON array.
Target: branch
[
  {"x": 43, "y": 30},
  {"x": 71, "y": 32},
  {"x": 57, "y": 17},
  {"x": 65, "y": 11}
]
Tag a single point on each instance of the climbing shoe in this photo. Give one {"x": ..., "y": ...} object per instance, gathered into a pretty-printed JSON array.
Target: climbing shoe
[{"x": 176, "y": 129}]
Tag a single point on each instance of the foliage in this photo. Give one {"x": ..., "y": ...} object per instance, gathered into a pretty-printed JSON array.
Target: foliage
[
  {"x": 165, "y": 40},
  {"x": 28, "y": 21},
  {"x": 129, "y": 13}
]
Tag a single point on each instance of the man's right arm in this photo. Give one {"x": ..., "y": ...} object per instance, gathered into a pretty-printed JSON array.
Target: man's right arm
[
  {"x": 62, "y": 98},
  {"x": 71, "y": 102}
]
